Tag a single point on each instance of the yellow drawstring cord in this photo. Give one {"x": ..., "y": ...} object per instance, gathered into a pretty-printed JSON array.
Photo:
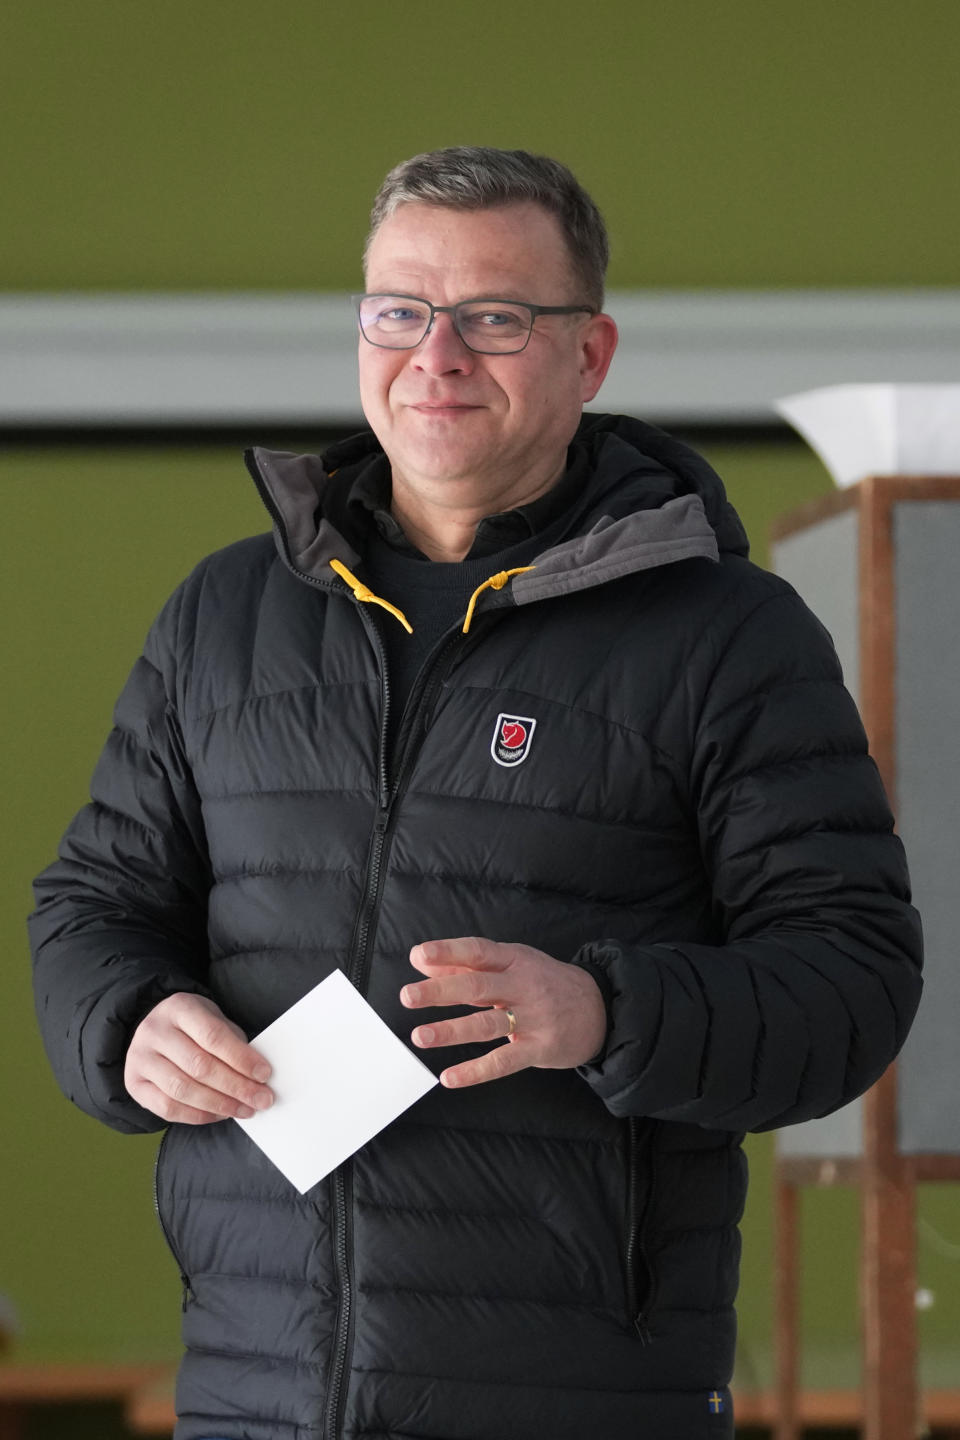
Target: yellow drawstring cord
[
  {"x": 496, "y": 582},
  {"x": 362, "y": 592}
]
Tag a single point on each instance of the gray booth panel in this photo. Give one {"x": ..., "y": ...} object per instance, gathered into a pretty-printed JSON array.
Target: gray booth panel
[
  {"x": 926, "y": 537},
  {"x": 821, "y": 563}
]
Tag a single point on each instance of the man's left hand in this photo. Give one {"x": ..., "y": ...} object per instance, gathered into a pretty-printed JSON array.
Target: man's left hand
[{"x": 559, "y": 1016}]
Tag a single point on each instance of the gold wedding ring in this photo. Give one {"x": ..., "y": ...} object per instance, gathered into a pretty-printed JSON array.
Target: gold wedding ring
[{"x": 512, "y": 1022}]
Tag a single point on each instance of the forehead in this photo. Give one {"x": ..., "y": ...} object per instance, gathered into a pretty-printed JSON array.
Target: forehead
[{"x": 510, "y": 251}]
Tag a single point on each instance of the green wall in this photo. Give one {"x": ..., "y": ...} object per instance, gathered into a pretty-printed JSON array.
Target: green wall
[
  {"x": 235, "y": 144},
  {"x": 225, "y": 144},
  {"x": 93, "y": 543}
]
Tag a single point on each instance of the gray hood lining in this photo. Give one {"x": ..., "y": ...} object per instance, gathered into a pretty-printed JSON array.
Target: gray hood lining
[
  {"x": 677, "y": 530},
  {"x": 294, "y": 483}
]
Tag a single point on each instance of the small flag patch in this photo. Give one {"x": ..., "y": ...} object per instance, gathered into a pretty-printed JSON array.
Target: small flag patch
[{"x": 715, "y": 1402}]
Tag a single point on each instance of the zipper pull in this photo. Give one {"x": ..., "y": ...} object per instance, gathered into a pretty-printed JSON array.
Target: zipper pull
[{"x": 186, "y": 1292}]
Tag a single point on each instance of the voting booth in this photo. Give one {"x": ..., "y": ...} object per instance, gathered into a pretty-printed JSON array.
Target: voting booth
[{"x": 879, "y": 562}]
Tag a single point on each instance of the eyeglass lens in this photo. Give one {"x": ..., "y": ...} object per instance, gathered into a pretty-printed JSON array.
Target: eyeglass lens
[{"x": 490, "y": 327}]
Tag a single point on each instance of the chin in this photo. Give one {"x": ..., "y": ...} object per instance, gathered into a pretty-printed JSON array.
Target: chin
[
  {"x": 444, "y": 462},
  {"x": 438, "y": 473}
]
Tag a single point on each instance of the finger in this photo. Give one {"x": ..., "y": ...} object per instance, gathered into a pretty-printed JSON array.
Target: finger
[
  {"x": 217, "y": 1036},
  {"x": 502, "y": 1060},
  {"x": 468, "y": 952},
  {"x": 464, "y": 987},
  {"x": 475, "y": 1029},
  {"x": 154, "y": 1100},
  {"x": 202, "y": 1083},
  {"x": 207, "y": 1070},
  {"x": 428, "y": 967}
]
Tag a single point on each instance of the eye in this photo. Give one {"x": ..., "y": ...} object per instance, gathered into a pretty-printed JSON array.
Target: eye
[
  {"x": 398, "y": 313},
  {"x": 495, "y": 319},
  {"x": 394, "y": 313},
  {"x": 503, "y": 320}
]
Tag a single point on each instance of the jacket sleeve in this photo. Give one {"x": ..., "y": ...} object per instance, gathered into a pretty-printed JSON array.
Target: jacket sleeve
[
  {"x": 814, "y": 986},
  {"x": 120, "y": 921}
]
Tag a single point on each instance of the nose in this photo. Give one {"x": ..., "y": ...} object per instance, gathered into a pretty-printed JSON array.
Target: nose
[{"x": 441, "y": 351}]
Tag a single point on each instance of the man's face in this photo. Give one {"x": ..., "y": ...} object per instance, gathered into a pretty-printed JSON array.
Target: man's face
[{"x": 466, "y": 429}]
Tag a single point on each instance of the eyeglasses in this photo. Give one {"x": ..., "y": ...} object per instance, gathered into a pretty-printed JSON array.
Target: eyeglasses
[{"x": 488, "y": 327}]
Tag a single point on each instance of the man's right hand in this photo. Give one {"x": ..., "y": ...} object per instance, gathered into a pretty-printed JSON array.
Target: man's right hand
[{"x": 188, "y": 1063}]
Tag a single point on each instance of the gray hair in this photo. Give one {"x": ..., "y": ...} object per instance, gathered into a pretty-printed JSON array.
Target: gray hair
[{"x": 478, "y": 177}]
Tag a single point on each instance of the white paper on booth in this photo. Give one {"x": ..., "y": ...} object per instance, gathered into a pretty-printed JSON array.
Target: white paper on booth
[
  {"x": 340, "y": 1075},
  {"x": 860, "y": 430}
]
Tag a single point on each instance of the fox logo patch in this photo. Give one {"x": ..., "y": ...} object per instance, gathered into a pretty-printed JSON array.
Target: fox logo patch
[{"x": 512, "y": 735}]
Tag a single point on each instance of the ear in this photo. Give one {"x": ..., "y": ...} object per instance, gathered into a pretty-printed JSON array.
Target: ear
[{"x": 598, "y": 341}]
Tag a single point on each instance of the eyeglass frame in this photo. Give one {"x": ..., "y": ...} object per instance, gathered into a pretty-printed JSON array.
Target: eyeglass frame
[{"x": 451, "y": 310}]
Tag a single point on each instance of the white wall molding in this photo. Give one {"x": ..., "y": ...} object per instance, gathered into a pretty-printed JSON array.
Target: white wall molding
[{"x": 707, "y": 357}]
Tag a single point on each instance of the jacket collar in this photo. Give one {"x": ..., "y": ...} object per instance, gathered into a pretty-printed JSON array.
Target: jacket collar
[{"x": 649, "y": 501}]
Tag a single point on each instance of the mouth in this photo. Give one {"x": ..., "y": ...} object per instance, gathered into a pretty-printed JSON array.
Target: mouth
[{"x": 442, "y": 407}]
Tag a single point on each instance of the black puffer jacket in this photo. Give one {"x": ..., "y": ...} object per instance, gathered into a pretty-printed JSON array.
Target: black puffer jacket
[{"x": 554, "y": 1254}]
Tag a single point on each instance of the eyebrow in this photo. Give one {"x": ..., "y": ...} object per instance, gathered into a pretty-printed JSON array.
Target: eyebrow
[{"x": 516, "y": 299}]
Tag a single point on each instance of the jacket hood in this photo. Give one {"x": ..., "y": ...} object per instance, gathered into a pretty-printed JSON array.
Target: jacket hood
[
  {"x": 627, "y": 450},
  {"x": 650, "y": 500}
]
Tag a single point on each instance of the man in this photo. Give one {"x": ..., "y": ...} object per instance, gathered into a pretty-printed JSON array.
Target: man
[{"x": 506, "y": 673}]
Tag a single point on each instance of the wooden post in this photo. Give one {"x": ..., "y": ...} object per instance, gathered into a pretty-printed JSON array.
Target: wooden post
[
  {"x": 786, "y": 1290},
  {"x": 888, "y": 1275}
]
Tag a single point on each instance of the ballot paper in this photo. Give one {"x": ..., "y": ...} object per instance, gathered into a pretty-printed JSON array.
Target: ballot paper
[
  {"x": 860, "y": 430},
  {"x": 340, "y": 1075}
]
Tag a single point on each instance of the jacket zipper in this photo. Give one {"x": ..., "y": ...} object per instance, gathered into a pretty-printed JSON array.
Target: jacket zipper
[
  {"x": 341, "y": 1188},
  {"x": 341, "y": 1181},
  {"x": 408, "y": 743},
  {"x": 639, "y": 1297},
  {"x": 341, "y": 1205},
  {"x": 186, "y": 1290}
]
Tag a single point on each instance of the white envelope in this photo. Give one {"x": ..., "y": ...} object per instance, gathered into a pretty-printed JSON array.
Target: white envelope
[{"x": 340, "y": 1075}]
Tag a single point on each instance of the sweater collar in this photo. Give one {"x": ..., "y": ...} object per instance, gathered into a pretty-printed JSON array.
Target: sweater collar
[{"x": 370, "y": 494}]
